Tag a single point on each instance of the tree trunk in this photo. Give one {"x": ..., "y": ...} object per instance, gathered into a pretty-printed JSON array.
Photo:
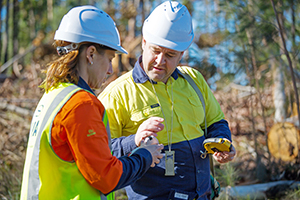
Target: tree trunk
[
  {"x": 279, "y": 96},
  {"x": 15, "y": 26},
  {"x": 279, "y": 99},
  {"x": 281, "y": 31},
  {"x": 260, "y": 168},
  {"x": 15, "y": 33},
  {"x": 50, "y": 10},
  {"x": 6, "y": 38},
  {"x": 294, "y": 52},
  {"x": 0, "y": 30},
  {"x": 142, "y": 7},
  {"x": 31, "y": 21}
]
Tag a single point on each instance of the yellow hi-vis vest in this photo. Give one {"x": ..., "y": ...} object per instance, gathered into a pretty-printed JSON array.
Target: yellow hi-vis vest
[{"x": 45, "y": 175}]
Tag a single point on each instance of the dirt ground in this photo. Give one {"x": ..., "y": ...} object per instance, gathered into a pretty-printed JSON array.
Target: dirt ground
[{"x": 253, "y": 164}]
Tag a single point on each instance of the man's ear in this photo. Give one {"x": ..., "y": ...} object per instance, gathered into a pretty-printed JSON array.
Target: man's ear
[
  {"x": 90, "y": 53},
  {"x": 143, "y": 43},
  {"x": 181, "y": 54}
]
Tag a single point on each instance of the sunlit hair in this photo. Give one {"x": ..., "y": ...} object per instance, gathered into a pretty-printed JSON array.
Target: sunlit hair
[{"x": 64, "y": 69}]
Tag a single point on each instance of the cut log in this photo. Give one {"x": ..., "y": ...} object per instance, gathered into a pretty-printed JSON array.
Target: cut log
[{"x": 283, "y": 141}]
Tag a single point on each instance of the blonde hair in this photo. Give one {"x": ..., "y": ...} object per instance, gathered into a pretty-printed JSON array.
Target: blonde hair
[
  {"x": 61, "y": 70},
  {"x": 64, "y": 69}
]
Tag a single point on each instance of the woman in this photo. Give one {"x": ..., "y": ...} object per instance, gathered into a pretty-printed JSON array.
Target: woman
[{"x": 68, "y": 153}]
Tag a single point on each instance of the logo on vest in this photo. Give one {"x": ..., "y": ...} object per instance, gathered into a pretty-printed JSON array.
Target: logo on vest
[{"x": 91, "y": 132}]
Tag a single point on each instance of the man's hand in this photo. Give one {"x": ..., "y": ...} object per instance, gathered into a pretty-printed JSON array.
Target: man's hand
[
  {"x": 224, "y": 157},
  {"x": 149, "y": 127}
]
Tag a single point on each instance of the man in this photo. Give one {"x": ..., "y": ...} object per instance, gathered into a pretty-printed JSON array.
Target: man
[{"x": 155, "y": 87}]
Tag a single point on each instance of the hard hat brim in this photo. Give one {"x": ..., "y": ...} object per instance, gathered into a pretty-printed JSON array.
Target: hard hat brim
[
  {"x": 79, "y": 38},
  {"x": 177, "y": 46}
]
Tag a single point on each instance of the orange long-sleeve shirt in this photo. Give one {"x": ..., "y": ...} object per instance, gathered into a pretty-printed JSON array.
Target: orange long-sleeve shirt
[{"x": 78, "y": 134}]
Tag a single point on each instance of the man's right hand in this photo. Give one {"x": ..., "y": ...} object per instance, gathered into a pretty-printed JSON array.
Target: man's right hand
[{"x": 149, "y": 127}]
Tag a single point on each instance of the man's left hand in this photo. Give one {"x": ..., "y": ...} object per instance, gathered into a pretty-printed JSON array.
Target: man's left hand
[{"x": 224, "y": 157}]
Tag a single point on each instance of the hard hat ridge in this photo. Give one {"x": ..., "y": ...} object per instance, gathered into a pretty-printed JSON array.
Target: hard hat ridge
[
  {"x": 169, "y": 25},
  {"x": 89, "y": 24},
  {"x": 173, "y": 11}
]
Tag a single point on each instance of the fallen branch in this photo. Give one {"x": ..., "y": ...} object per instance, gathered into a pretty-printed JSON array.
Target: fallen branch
[
  {"x": 13, "y": 108},
  {"x": 256, "y": 191},
  {"x": 243, "y": 91},
  {"x": 19, "y": 100},
  {"x": 16, "y": 58}
]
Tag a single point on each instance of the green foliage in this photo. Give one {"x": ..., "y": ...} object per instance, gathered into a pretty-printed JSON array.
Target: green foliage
[
  {"x": 258, "y": 19},
  {"x": 10, "y": 180},
  {"x": 121, "y": 195},
  {"x": 227, "y": 174},
  {"x": 293, "y": 195}
]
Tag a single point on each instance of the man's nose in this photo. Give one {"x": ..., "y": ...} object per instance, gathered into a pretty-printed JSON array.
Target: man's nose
[{"x": 160, "y": 59}]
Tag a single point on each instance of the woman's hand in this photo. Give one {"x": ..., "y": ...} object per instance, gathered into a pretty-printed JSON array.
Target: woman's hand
[{"x": 153, "y": 146}]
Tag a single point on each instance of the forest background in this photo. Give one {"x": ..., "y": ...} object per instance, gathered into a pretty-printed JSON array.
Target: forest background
[{"x": 248, "y": 51}]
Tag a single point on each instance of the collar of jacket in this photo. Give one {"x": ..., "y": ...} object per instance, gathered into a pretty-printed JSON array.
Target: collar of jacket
[
  {"x": 82, "y": 84},
  {"x": 140, "y": 76}
]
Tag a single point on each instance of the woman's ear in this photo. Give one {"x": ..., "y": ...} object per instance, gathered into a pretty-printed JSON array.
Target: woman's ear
[{"x": 90, "y": 53}]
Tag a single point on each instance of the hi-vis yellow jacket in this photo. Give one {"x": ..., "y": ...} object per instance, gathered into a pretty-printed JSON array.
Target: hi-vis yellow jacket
[{"x": 45, "y": 175}]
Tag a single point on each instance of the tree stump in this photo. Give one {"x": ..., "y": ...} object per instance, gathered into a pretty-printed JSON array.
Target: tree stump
[{"x": 284, "y": 141}]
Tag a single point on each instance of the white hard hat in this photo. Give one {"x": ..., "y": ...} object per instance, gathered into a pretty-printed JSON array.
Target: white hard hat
[
  {"x": 89, "y": 24},
  {"x": 170, "y": 26}
]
